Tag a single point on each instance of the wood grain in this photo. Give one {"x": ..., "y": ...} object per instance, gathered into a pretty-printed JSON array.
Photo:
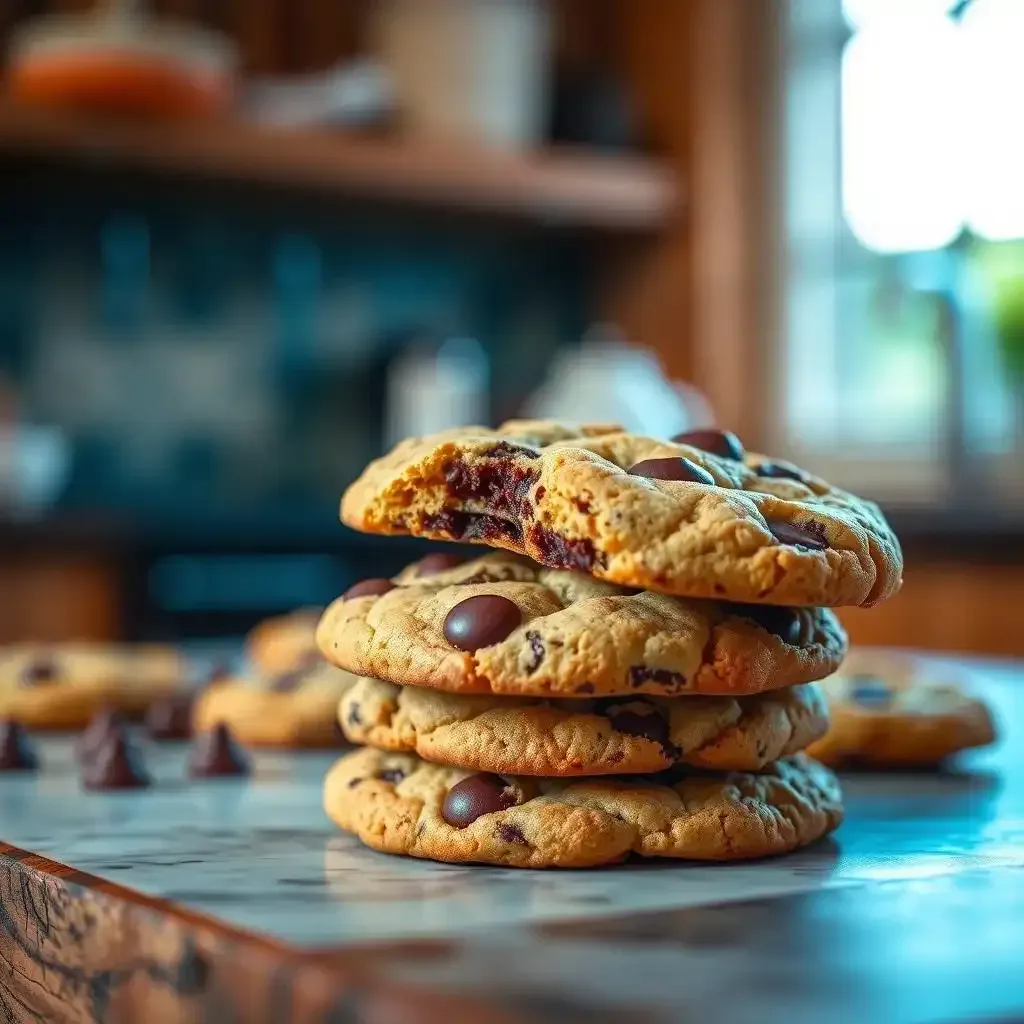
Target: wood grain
[{"x": 77, "y": 948}]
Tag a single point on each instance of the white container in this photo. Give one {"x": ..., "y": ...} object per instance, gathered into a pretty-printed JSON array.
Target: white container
[{"x": 468, "y": 70}]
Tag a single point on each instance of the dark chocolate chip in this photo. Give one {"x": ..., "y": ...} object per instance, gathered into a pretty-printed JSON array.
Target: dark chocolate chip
[
  {"x": 16, "y": 753},
  {"x": 719, "y": 442},
  {"x": 105, "y": 725},
  {"x": 510, "y": 834},
  {"x": 481, "y": 621},
  {"x": 393, "y": 775},
  {"x": 776, "y": 471},
  {"x": 476, "y": 795},
  {"x": 781, "y": 621},
  {"x": 809, "y": 535},
  {"x": 353, "y": 716},
  {"x": 40, "y": 672},
  {"x": 869, "y": 692},
  {"x": 646, "y": 726},
  {"x": 672, "y": 469},
  {"x": 553, "y": 549},
  {"x": 352, "y": 783},
  {"x": 368, "y": 588},
  {"x": 215, "y": 753},
  {"x": 536, "y": 651},
  {"x": 170, "y": 719},
  {"x": 471, "y": 526},
  {"x": 115, "y": 764},
  {"x": 502, "y": 483},
  {"x": 640, "y": 674},
  {"x": 433, "y": 564}
]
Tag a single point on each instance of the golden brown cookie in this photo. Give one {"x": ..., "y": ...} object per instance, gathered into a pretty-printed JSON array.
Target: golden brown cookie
[
  {"x": 400, "y": 804},
  {"x": 502, "y": 624},
  {"x": 564, "y": 738},
  {"x": 284, "y": 642},
  {"x": 292, "y": 709},
  {"x": 60, "y": 686},
  {"x": 698, "y": 517},
  {"x": 893, "y": 711}
]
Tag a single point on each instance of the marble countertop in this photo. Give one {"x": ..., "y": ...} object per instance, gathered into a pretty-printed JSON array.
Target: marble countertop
[{"x": 923, "y": 881}]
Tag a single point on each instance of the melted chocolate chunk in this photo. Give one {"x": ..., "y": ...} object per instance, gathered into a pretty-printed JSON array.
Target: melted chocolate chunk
[
  {"x": 776, "y": 471},
  {"x": 16, "y": 753},
  {"x": 719, "y": 442},
  {"x": 481, "y": 621},
  {"x": 472, "y": 526},
  {"x": 640, "y": 674},
  {"x": 780, "y": 621},
  {"x": 870, "y": 692},
  {"x": 536, "y": 651},
  {"x": 393, "y": 775},
  {"x": 431, "y": 565},
  {"x": 215, "y": 753},
  {"x": 104, "y": 726},
  {"x": 474, "y": 796},
  {"x": 809, "y": 535},
  {"x": 672, "y": 469},
  {"x": 115, "y": 764},
  {"x": 170, "y": 719},
  {"x": 502, "y": 484},
  {"x": 367, "y": 588},
  {"x": 41, "y": 671},
  {"x": 510, "y": 834},
  {"x": 646, "y": 726},
  {"x": 555, "y": 550}
]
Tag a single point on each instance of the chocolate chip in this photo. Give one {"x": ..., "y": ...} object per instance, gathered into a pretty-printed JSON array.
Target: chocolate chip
[
  {"x": 553, "y": 549},
  {"x": 16, "y": 753},
  {"x": 869, "y": 692},
  {"x": 115, "y": 764},
  {"x": 585, "y": 688},
  {"x": 718, "y": 442},
  {"x": 672, "y": 469},
  {"x": 640, "y": 674},
  {"x": 352, "y": 783},
  {"x": 433, "y": 564},
  {"x": 780, "y": 621},
  {"x": 582, "y": 506},
  {"x": 170, "y": 719},
  {"x": 471, "y": 526},
  {"x": 481, "y": 621},
  {"x": 503, "y": 483},
  {"x": 476, "y": 795},
  {"x": 367, "y": 588},
  {"x": 810, "y": 535},
  {"x": 536, "y": 651},
  {"x": 776, "y": 471},
  {"x": 646, "y": 726},
  {"x": 104, "y": 726},
  {"x": 40, "y": 672},
  {"x": 215, "y": 753},
  {"x": 510, "y": 834},
  {"x": 393, "y": 775},
  {"x": 354, "y": 717}
]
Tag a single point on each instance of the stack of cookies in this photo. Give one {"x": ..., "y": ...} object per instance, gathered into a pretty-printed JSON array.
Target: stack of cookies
[{"x": 633, "y": 673}]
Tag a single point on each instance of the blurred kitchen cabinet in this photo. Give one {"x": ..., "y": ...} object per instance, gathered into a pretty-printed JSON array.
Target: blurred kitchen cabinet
[{"x": 58, "y": 598}]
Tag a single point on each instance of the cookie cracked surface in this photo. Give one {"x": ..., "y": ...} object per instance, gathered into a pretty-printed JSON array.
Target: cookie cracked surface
[
  {"x": 291, "y": 709},
  {"x": 892, "y": 711},
  {"x": 508, "y": 735},
  {"x": 398, "y": 803},
  {"x": 685, "y": 521},
  {"x": 576, "y": 636}
]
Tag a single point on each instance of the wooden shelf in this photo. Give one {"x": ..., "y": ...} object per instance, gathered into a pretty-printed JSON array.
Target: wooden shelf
[{"x": 551, "y": 187}]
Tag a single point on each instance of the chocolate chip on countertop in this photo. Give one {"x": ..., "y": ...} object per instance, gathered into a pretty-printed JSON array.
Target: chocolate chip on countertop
[
  {"x": 215, "y": 753},
  {"x": 115, "y": 764},
  {"x": 16, "y": 753}
]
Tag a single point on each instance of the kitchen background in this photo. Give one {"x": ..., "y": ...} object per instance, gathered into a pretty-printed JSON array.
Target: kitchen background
[{"x": 247, "y": 245}]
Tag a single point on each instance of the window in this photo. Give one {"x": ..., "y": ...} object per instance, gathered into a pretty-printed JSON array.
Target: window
[{"x": 904, "y": 311}]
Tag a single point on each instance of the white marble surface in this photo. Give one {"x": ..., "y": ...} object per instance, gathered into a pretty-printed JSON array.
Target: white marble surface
[{"x": 261, "y": 854}]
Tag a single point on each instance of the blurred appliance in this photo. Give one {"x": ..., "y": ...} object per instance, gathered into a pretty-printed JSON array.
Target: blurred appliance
[
  {"x": 119, "y": 60},
  {"x": 471, "y": 70}
]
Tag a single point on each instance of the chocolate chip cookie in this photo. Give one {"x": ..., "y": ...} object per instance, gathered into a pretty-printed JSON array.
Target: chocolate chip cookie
[
  {"x": 566, "y": 738},
  {"x": 60, "y": 686},
  {"x": 696, "y": 516},
  {"x": 291, "y": 709},
  {"x": 283, "y": 643},
  {"x": 503, "y": 624},
  {"x": 892, "y": 711},
  {"x": 400, "y": 804}
]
